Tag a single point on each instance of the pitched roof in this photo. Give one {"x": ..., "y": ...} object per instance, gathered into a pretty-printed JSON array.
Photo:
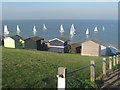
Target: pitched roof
[
  {"x": 16, "y": 37},
  {"x": 63, "y": 39},
  {"x": 35, "y": 38},
  {"x": 97, "y": 41}
]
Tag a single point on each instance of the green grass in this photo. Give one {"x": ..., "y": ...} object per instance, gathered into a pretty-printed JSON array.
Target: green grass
[{"x": 38, "y": 69}]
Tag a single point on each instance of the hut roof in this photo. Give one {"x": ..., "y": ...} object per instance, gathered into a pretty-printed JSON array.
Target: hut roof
[
  {"x": 76, "y": 44},
  {"x": 97, "y": 41},
  {"x": 16, "y": 37},
  {"x": 35, "y": 38},
  {"x": 62, "y": 39}
]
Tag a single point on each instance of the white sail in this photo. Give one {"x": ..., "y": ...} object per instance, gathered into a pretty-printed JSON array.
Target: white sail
[
  {"x": 6, "y": 32},
  {"x": 44, "y": 27},
  {"x": 18, "y": 29},
  {"x": 72, "y": 30},
  {"x": 95, "y": 30},
  {"x": 34, "y": 29},
  {"x": 61, "y": 29},
  {"x": 103, "y": 28},
  {"x": 87, "y": 31}
]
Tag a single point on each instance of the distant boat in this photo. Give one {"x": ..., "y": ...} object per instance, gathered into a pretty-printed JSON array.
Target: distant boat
[
  {"x": 6, "y": 32},
  {"x": 72, "y": 30},
  {"x": 87, "y": 31},
  {"x": 95, "y": 30},
  {"x": 61, "y": 29},
  {"x": 103, "y": 28},
  {"x": 18, "y": 30},
  {"x": 44, "y": 27},
  {"x": 34, "y": 29}
]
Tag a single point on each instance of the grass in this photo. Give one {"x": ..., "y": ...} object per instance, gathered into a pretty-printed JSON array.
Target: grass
[{"x": 38, "y": 69}]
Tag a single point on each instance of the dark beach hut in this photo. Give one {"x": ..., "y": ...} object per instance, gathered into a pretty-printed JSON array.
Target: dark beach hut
[
  {"x": 34, "y": 43},
  {"x": 75, "y": 47},
  {"x": 60, "y": 45}
]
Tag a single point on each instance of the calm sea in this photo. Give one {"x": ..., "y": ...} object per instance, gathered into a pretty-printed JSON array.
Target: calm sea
[{"x": 108, "y": 36}]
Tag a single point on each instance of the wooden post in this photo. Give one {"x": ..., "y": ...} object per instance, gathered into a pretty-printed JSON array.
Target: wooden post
[
  {"x": 93, "y": 71},
  {"x": 104, "y": 66},
  {"x": 110, "y": 62},
  {"x": 117, "y": 59},
  {"x": 62, "y": 73},
  {"x": 114, "y": 59}
]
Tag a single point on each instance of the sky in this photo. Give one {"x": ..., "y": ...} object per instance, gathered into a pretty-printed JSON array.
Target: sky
[{"x": 60, "y": 10}]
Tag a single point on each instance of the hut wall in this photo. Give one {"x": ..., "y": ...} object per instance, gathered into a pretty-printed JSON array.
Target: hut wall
[
  {"x": 90, "y": 48},
  {"x": 30, "y": 44},
  {"x": 9, "y": 42},
  {"x": 56, "y": 43},
  {"x": 54, "y": 49}
]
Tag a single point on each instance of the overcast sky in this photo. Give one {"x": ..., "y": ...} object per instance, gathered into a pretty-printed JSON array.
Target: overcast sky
[{"x": 60, "y": 10}]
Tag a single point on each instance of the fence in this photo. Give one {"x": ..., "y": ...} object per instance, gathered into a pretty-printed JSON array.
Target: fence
[{"x": 62, "y": 71}]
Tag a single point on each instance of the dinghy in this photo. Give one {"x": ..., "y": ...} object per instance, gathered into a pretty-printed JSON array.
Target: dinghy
[
  {"x": 6, "y": 32},
  {"x": 95, "y": 30},
  {"x": 61, "y": 29},
  {"x": 87, "y": 31},
  {"x": 72, "y": 30},
  {"x": 18, "y": 30},
  {"x": 44, "y": 27}
]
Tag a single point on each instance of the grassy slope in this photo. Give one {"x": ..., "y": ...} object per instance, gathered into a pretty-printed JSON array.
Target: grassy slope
[{"x": 38, "y": 69}]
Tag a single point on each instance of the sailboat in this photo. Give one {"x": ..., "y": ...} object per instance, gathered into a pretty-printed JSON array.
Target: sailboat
[
  {"x": 18, "y": 30},
  {"x": 72, "y": 30},
  {"x": 44, "y": 27},
  {"x": 34, "y": 29},
  {"x": 95, "y": 30},
  {"x": 103, "y": 28},
  {"x": 61, "y": 29},
  {"x": 6, "y": 32},
  {"x": 87, "y": 31}
]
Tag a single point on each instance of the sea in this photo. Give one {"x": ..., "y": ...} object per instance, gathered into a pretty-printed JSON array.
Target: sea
[{"x": 108, "y": 36}]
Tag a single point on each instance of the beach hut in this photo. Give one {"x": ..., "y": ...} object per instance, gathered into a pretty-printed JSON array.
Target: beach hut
[
  {"x": 60, "y": 45},
  {"x": 95, "y": 47},
  {"x": 14, "y": 42},
  {"x": 1, "y": 40},
  {"x": 75, "y": 47},
  {"x": 34, "y": 43}
]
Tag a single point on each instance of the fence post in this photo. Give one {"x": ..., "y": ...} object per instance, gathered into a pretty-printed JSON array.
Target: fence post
[
  {"x": 62, "y": 73},
  {"x": 104, "y": 66},
  {"x": 110, "y": 62},
  {"x": 117, "y": 59},
  {"x": 93, "y": 71},
  {"x": 114, "y": 59}
]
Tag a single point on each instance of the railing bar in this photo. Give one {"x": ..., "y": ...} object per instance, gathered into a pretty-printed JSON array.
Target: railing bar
[{"x": 78, "y": 69}]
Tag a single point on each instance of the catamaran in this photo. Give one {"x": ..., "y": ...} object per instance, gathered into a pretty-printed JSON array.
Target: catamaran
[
  {"x": 87, "y": 31},
  {"x": 72, "y": 30},
  {"x": 34, "y": 29},
  {"x": 95, "y": 30},
  {"x": 18, "y": 29},
  {"x": 61, "y": 29},
  {"x": 6, "y": 32},
  {"x": 44, "y": 27}
]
